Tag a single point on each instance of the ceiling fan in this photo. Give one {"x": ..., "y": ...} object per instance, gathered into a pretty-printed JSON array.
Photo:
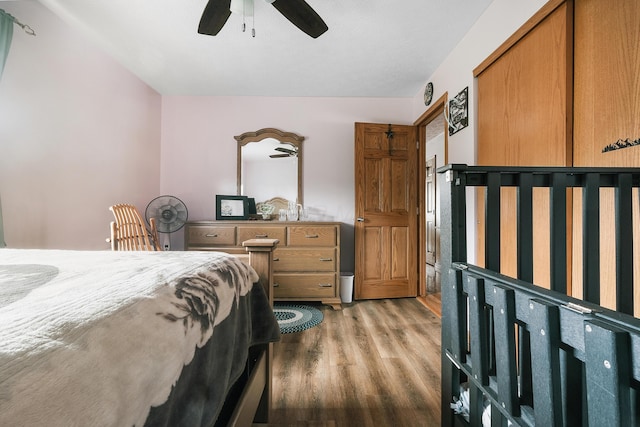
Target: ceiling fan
[
  {"x": 286, "y": 152},
  {"x": 216, "y": 13}
]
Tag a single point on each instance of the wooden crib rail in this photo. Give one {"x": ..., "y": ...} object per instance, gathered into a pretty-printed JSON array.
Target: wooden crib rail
[
  {"x": 584, "y": 369},
  {"x": 558, "y": 180},
  {"x": 581, "y": 365}
]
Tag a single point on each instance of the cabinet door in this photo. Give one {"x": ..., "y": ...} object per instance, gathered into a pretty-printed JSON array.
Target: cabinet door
[
  {"x": 607, "y": 90},
  {"x": 606, "y": 111},
  {"x": 524, "y": 99}
]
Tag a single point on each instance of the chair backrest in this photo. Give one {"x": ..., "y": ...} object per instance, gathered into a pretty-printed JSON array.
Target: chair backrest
[{"x": 129, "y": 232}]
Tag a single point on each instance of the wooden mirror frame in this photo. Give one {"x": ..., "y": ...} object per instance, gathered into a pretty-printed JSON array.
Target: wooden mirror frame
[{"x": 284, "y": 137}]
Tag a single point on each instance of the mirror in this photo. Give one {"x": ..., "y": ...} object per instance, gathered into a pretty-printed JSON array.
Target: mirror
[{"x": 270, "y": 165}]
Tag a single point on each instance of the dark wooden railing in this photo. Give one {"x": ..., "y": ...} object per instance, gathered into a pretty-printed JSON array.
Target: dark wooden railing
[{"x": 539, "y": 357}]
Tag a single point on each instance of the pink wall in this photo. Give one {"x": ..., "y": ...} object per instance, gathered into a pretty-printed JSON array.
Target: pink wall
[
  {"x": 199, "y": 151},
  {"x": 78, "y": 133}
]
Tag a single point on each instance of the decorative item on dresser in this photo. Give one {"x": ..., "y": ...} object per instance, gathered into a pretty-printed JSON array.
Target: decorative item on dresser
[{"x": 306, "y": 263}]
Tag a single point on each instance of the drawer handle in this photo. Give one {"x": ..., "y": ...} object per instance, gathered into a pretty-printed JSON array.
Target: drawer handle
[
  {"x": 275, "y": 285},
  {"x": 261, "y": 236},
  {"x": 210, "y": 235},
  {"x": 326, "y": 259},
  {"x": 311, "y": 236},
  {"x": 276, "y": 259},
  {"x": 325, "y": 285}
]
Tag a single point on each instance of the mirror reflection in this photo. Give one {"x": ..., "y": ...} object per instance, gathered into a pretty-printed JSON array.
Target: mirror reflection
[
  {"x": 270, "y": 165},
  {"x": 269, "y": 171}
]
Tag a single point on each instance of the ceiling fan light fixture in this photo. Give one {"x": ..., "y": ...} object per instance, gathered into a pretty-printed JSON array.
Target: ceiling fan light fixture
[{"x": 244, "y": 7}]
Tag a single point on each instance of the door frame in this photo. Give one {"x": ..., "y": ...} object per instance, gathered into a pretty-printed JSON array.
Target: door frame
[{"x": 437, "y": 108}]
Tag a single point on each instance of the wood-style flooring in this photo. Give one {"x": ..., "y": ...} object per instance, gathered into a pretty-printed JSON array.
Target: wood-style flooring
[{"x": 373, "y": 363}]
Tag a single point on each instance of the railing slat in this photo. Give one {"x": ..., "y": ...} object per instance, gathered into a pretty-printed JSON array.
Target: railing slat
[
  {"x": 525, "y": 227},
  {"x": 459, "y": 321},
  {"x": 492, "y": 222},
  {"x": 591, "y": 238},
  {"x": 504, "y": 319},
  {"x": 608, "y": 372},
  {"x": 545, "y": 357},
  {"x": 478, "y": 328},
  {"x": 558, "y": 230},
  {"x": 624, "y": 245}
]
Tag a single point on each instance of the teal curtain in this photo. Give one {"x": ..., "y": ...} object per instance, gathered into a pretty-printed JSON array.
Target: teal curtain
[{"x": 6, "y": 35}]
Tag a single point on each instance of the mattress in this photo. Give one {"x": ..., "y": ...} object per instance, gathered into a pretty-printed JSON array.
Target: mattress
[{"x": 104, "y": 338}]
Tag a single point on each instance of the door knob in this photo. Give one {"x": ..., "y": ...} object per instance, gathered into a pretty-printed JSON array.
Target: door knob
[{"x": 360, "y": 219}]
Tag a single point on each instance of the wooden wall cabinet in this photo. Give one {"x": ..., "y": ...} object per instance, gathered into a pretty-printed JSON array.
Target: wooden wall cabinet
[
  {"x": 306, "y": 261},
  {"x": 560, "y": 92}
]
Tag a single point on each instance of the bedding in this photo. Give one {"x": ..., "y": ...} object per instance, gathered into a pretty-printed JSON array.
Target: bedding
[{"x": 107, "y": 338}]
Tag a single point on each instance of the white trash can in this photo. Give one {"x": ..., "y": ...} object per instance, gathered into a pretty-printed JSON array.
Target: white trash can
[{"x": 346, "y": 287}]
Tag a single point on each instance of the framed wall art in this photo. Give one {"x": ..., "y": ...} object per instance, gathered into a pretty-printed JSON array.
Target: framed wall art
[
  {"x": 232, "y": 207},
  {"x": 459, "y": 111}
]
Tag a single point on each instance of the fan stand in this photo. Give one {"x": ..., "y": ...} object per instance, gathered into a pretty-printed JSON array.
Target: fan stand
[{"x": 166, "y": 244}]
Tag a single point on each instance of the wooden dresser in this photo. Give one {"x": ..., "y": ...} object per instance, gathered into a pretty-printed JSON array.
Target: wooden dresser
[{"x": 306, "y": 262}]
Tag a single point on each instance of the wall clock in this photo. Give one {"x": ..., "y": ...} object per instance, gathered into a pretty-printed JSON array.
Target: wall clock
[{"x": 428, "y": 93}]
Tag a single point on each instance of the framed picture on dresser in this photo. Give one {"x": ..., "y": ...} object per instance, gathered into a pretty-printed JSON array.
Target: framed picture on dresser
[{"x": 232, "y": 207}]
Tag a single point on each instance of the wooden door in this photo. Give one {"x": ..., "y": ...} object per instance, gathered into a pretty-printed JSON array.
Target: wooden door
[
  {"x": 524, "y": 99},
  {"x": 606, "y": 110},
  {"x": 431, "y": 241},
  {"x": 386, "y": 229}
]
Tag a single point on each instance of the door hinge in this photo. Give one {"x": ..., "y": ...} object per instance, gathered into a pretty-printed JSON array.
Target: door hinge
[{"x": 417, "y": 145}]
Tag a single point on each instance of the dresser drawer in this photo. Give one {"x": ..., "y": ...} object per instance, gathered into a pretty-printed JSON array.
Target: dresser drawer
[
  {"x": 304, "y": 285},
  {"x": 258, "y": 232},
  {"x": 212, "y": 235},
  {"x": 312, "y": 235},
  {"x": 311, "y": 260}
]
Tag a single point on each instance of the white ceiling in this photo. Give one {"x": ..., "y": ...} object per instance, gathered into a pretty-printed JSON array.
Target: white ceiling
[{"x": 373, "y": 48}]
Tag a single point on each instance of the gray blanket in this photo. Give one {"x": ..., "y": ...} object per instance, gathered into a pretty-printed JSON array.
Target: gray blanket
[{"x": 100, "y": 338}]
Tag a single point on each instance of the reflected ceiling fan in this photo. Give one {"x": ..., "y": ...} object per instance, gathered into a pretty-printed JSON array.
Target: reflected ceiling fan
[
  {"x": 216, "y": 13},
  {"x": 284, "y": 152}
]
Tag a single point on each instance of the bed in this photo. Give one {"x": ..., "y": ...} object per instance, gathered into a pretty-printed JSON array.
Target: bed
[
  {"x": 514, "y": 353},
  {"x": 107, "y": 338}
]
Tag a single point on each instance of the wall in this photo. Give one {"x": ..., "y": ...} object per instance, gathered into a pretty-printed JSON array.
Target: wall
[
  {"x": 78, "y": 133},
  {"x": 199, "y": 151},
  {"x": 501, "y": 19}
]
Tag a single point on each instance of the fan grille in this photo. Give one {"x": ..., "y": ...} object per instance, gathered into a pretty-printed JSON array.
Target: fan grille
[{"x": 169, "y": 212}]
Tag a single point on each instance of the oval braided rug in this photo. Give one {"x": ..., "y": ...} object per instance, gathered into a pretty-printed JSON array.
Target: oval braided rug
[{"x": 296, "y": 317}]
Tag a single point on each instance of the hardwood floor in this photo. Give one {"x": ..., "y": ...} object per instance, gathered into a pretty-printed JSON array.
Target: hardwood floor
[
  {"x": 373, "y": 363},
  {"x": 433, "y": 302}
]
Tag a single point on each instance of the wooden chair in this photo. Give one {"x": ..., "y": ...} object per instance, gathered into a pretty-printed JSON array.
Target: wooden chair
[{"x": 129, "y": 232}]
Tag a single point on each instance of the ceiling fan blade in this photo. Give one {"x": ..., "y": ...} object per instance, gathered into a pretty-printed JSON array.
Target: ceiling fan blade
[
  {"x": 285, "y": 150},
  {"x": 276, "y": 156},
  {"x": 215, "y": 15},
  {"x": 302, "y": 16}
]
